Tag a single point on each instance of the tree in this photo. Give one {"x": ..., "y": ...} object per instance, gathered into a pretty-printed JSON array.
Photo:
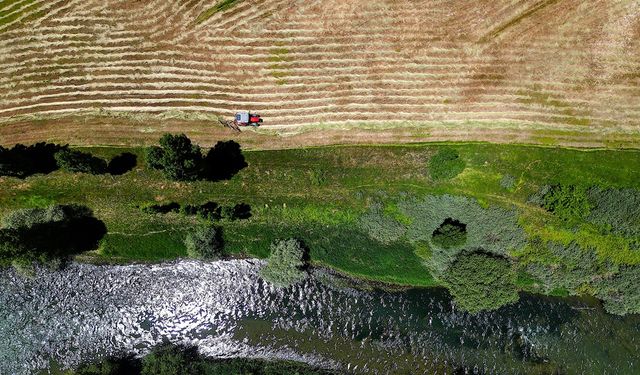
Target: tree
[
  {"x": 80, "y": 162},
  {"x": 451, "y": 233},
  {"x": 479, "y": 281},
  {"x": 177, "y": 157},
  {"x": 206, "y": 242},
  {"x": 568, "y": 202},
  {"x": 286, "y": 263},
  {"x": 446, "y": 164},
  {"x": 171, "y": 360},
  {"x": 223, "y": 161}
]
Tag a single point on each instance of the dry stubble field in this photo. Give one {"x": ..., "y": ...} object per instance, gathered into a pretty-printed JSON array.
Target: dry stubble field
[{"x": 322, "y": 71}]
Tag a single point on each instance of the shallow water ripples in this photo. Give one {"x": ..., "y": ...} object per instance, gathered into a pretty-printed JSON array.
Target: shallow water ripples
[{"x": 86, "y": 312}]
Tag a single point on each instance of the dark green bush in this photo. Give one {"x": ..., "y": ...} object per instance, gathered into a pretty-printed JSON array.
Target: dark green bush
[
  {"x": 493, "y": 229},
  {"x": 80, "y": 162},
  {"x": 568, "y": 202},
  {"x": 479, "y": 281},
  {"x": 177, "y": 157},
  {"x": 286, "y": 263},
  {"x": 620, "y": 292},
  {"x": 618, "y": 210},
  {"x": 205, "y": 242},
  {"x": 446, "y": 164},
  {"x": 451, "y": 233}
]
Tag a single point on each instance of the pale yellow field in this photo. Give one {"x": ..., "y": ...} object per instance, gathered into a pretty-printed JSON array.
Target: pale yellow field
[{"x": 552, "y": 71}]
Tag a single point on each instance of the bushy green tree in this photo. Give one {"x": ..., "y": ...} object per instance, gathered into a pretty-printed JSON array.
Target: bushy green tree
[
  {"x": 177, "y": 157},
  {"x": 494, "y": 229},
  {"x": 620, "y": 291},
  {"x": 205, "y": 242},
  {"x": 451, "y": 233},
  {"x": 80, "y": 162},
  {"x": 479, "y": 281},
  {"x": 171, "y": 360},
  {"x": 446, "y": 164},
  {"x": 286, "y": 263},
  {"x": 568, "y": 202},
  {"x": 618, "y": 210}
]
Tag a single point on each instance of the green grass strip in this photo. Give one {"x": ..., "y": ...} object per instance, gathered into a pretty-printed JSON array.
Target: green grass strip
[{"x": 219, "y": 7}]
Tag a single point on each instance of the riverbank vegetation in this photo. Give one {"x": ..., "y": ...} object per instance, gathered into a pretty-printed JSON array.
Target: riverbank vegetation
[
  {"x": 564, "y": 221},
  {"x": 171, "y": 359}
]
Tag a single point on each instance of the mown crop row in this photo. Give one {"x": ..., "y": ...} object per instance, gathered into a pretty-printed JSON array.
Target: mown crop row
[{"x": 309, "y": 62}]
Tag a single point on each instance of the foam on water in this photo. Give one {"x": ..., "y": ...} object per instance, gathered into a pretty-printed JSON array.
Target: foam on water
[{"x": 86, "y": 312}]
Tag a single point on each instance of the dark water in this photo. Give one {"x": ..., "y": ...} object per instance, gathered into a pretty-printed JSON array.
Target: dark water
[{"x": 225, "y": 308}]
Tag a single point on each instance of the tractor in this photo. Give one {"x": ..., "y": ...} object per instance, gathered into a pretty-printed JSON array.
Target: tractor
[
  {"x": 242, "y": 119},
  {"x": 247, "y": 119}
]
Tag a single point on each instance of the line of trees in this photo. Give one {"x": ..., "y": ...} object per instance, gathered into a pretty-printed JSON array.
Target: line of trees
[
  {"x": 170, "y": 359},
  {"x": 181, "y": 160},
  {"x": 42, "y": 158}
]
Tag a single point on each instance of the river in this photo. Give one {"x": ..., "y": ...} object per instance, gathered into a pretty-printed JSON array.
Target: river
[{"x": 88, "y": 311}]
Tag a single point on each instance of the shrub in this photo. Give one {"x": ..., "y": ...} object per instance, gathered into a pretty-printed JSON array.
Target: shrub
[
  {"x": 620, "y": 292},
  {"x": 286, "y": 263},
  {"x": 171, "y": 360},
  {"x": 568, "y": 202},
  {"x": 177, "y": 157},
  {"x": 205, "y": 242},
  {"x": 451, "y": 233},
  {"x": 23, "y": 161},
  {"x": 617, "y": 210},
  {"x": 381, "y": 227},
  {"x": 122, "y": 163},
  {"x": 479, "y": 281},
  {"x": 154, "y": 157},
  {"x": 80, "y": 162},
  {"x": 508, "y": 182},
  {"x": 493, "y": 229},
  {"x": 223, "y": 161},
  {"x": 569, "y": 267},
  {"x": 446, "y": 164},
  {"x": 27, "y": 218}
]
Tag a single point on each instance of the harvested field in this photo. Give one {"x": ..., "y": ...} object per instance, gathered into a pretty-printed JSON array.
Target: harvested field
[{"x": 531, "y": 67}]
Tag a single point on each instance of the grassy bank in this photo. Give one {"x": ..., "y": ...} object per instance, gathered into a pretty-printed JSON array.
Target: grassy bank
[{"x": 320, "y": 194}]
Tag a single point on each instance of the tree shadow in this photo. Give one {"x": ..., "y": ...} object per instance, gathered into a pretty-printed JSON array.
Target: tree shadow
[
  {"x": 223, "y": 161},
  {"x": 121, "y": 164},
  {"x": 23, "y": 161},
  {"x": 77, "y": 233}
]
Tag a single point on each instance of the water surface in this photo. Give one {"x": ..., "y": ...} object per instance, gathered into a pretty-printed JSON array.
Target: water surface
[{"x": 87, "y": 311}]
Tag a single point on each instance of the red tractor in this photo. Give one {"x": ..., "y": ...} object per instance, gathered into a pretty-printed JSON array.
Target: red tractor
[{"x": 247, "y": 119}]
